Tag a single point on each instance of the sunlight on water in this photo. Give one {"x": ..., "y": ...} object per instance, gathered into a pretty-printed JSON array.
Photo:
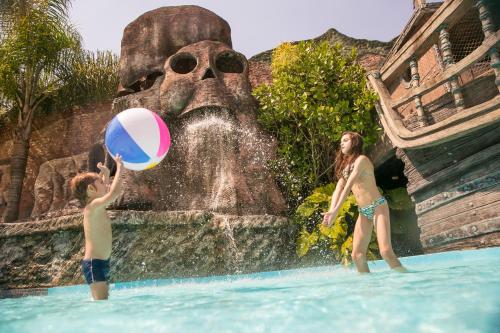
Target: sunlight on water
[{"x": 447, "y": 292}]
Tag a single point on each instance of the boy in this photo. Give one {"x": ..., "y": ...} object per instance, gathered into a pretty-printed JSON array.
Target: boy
[{"x": 91, "y": 190}]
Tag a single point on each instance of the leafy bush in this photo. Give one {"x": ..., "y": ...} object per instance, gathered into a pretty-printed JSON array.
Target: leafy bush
[
  {"x": 318, "y": 92},
  {"x": 335, "y": 240},
  {"x": 92, "y": 77}
]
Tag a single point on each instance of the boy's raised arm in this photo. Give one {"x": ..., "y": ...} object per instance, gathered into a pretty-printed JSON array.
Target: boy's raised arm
[
  {"x": 115, "y": 188},
  {"x": 104, "y": 173}
]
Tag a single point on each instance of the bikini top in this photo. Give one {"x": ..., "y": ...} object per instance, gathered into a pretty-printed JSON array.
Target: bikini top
[{"x": 347, "y": 171}]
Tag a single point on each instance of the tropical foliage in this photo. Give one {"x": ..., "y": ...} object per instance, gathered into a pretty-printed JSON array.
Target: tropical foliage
[
  {"x": 335, "y": 240},
  {"x": 42, "y": 67},
  {"x": 318, "y": 91},
  {"x": 94, "y": 77}
]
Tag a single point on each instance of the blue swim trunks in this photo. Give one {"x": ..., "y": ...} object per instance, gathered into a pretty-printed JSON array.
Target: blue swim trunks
[{"x": 95, "y": 270}]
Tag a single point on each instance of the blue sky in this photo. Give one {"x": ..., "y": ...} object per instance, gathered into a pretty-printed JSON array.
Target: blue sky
[{"x": 256, "y": 25}]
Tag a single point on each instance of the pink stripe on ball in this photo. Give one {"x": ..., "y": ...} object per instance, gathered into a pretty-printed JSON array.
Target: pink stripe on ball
[{"x": 164, "y": 136}]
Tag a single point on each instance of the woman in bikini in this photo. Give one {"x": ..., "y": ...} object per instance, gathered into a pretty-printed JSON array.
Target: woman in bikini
[{"x": 355, "y": 173}]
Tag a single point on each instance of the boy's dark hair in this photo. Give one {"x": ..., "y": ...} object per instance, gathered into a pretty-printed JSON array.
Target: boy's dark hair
[{"x": 79, "y": 185}]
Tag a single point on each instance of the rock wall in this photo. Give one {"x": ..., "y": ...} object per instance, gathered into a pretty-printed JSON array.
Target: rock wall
[
  {"x": 371, "y": 55},
  {"x": 54, "y": 136},
  {"x": 146, "y": 245}
]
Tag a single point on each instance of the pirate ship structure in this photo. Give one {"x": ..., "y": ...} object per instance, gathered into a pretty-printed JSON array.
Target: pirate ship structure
[{"x": 439, "y": 105}]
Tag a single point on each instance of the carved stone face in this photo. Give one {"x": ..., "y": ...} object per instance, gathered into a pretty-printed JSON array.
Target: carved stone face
[
  {"x": 218, "y": 156},
  {"x": 204, "y": 74},
  {"x": 156, "y": 35}
]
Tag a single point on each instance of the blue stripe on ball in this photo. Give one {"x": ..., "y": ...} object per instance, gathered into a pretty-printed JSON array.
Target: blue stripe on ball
[{"x": 120, "y": 142}]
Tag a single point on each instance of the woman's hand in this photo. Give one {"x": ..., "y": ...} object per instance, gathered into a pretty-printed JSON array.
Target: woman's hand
[{"x": 329, "y": 217}]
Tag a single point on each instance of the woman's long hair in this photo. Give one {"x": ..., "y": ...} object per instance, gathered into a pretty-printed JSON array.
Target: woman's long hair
[{"x": 343, "y": 161}]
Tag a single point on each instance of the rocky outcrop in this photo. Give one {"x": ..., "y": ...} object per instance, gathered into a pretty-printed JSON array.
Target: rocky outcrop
[
  {"x": 52, "y": 191},
  {"x": 371, "y": 55},
  {"x": 57, "y": 135},
  {"x": 219, "y": 154},
  {"x": 146, "y": 245}
]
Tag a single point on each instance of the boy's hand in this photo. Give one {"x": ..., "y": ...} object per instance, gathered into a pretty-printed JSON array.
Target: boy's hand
[
  {"x": 103, "y": 169},
  {"x": 104, "y": 173},
  {"x": 118, "y": 161}
]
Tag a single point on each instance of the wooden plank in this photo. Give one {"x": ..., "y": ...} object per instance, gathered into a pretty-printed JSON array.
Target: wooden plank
[
  {"x": 449, "y": 13},
  {"x": 484, "y": 184},
  {"x": 458, "y": 179},
  {"x": 473, "y": 215},
  {"x": 485, "y": 157},
  {"x": 462, "y": 123},
  {"x": 452, "y": 70},
  {"x": 469, "y": 230},
  {"x": 464, "y": 205},
  {"x": 476, "y": 242},
  {"x": 421, "y": 164}
]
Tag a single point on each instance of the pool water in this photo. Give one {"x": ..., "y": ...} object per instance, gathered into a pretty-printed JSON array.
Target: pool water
[{"x": 446, "y": 292}]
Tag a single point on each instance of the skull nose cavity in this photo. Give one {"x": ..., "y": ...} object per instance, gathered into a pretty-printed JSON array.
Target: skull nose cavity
[{"x": 209, "y": 74}]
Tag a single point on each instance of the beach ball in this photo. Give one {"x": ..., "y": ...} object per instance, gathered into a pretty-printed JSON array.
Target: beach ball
[{"x": 140, "y": 136}]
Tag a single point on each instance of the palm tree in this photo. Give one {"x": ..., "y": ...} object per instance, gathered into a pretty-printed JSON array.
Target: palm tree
[{"x": 37, "y": 49}]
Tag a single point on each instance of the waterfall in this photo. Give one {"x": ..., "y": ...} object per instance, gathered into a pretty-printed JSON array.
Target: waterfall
[
  {"x": 236, "y": 258},
  {"x": 210, "y": 143}
]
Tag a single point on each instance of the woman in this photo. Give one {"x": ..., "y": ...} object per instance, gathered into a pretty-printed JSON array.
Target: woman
[{"x": 355, "y": 172}]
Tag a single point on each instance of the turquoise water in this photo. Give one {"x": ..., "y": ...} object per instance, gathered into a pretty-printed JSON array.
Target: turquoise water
[{"x": 447, "y": 292}]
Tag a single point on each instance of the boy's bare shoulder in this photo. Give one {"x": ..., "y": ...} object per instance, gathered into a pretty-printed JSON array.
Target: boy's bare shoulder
[{"x": 90, "y": 209}]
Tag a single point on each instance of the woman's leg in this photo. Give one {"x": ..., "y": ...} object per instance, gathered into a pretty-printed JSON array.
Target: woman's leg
[
  {"x": 361, "y": 239},
  {"x": 383, "y": 226}
]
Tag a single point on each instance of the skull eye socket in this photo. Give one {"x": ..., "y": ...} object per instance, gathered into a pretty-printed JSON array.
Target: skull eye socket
[
  {"x": 183, "y": 63},
  {"x": 229, "y": 62}
]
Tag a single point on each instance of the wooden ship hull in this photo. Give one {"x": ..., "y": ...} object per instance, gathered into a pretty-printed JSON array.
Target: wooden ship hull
[{"x": 439, "y": 105}]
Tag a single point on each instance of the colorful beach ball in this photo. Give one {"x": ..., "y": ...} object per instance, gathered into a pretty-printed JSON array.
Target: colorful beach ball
[{"x": 140, "y": 136}]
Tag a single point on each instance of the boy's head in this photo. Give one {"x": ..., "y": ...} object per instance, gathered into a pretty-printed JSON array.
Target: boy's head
[{"x": 85, "y": 186}]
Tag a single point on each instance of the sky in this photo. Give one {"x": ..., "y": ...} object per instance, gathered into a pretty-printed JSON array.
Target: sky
[{"x": 256, "y": 25}]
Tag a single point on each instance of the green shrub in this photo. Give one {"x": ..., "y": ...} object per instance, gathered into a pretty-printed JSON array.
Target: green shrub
[
  {"x": 335, "y": 240},
  {"x": 318, "y": 92}
]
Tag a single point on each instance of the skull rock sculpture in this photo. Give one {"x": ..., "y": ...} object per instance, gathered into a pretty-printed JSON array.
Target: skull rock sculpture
[
  {"x": 219, "y": 155},
  {"x": 205, "y": 74},
  {"x": 149, "y": 40}
]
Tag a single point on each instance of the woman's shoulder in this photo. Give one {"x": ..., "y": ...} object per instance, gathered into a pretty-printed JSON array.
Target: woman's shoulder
[{"x": 362, "y": 159}]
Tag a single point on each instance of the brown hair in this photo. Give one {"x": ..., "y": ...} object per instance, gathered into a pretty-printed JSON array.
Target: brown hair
[
  {"x": 79, "y": 185},
  {"x": 342, "y": 161}
]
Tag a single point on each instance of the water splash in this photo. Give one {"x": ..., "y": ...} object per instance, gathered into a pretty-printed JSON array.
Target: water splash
[
  {"x": 223, "y": 159},
  {"x": 236, "y": 255},
  {"x": 210, "y": 142}
]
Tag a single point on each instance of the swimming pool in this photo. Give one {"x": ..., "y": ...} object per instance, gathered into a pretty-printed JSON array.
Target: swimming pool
[{"x": 446, "y": 292}]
